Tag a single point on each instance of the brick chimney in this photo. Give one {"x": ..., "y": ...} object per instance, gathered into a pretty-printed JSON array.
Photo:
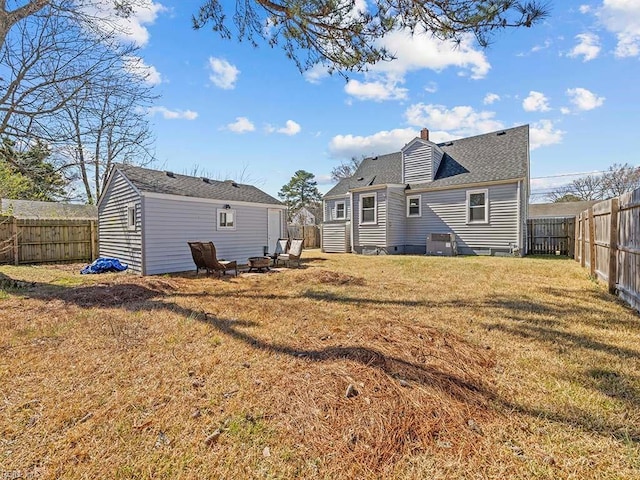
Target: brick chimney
[{"x": 424, "y": 134}]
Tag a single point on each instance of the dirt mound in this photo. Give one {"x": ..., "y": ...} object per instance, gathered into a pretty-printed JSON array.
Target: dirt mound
[{"x": 333, "y": 278}]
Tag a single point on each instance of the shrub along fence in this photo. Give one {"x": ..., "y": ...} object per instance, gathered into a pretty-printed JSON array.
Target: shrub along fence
[
  {"x": 608, "y": 244},
  {"x": 43, "y": 241}
]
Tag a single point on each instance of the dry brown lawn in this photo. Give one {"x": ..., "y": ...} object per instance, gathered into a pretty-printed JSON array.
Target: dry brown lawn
[{"x": 470, "y": 367}]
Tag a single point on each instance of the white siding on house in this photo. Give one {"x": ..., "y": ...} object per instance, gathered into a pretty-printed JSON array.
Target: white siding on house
[
  {"x": 436, "y": 155},
  {"x": 396, "y": 226},
  {"x": 330, "y": 209},
  {"x": 115, "y": 239},
  {"x": 335, "y": 237},
  {"x": 370, "y": 235},
  {"x": 170, "y": 223},
  {"x": 445, "y": 211},
  {"x": 417, "y": 165}
]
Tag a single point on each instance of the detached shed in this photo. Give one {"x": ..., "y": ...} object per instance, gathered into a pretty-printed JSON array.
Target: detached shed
[{"x": 146, "y": 218}]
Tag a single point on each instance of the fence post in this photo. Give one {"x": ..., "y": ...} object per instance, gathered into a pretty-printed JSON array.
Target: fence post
[
  {"x": 583, "y": 240},
  {"x": 92, "y": 236},
  {"x": 14, "y": 234},
  {"x": 592, "y": 243},
  {"x": 613, "y": 246}
]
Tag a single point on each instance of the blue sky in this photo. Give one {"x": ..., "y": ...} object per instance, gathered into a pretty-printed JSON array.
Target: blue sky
[{"x": 233, "y": 110}]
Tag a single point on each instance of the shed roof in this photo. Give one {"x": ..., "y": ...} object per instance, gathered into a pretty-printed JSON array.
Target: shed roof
[
  {"x": 31, "y": 209},
  {"x": 559, "y": 209},
  {"x": 491, "y": 157},
  {"x": 157, "y": 181}
]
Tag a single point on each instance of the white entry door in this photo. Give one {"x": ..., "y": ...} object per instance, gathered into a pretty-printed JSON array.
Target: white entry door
[{"x": 274, "y": 229}]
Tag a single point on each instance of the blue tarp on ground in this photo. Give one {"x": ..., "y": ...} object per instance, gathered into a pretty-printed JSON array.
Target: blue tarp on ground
[{"x": 104, "y": 265}]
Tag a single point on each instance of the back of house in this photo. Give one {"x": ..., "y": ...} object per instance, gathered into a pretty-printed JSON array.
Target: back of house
[{"x": 467, "y": 196}]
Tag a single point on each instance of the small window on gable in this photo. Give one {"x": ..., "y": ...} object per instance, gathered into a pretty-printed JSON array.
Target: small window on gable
[
  {"x": 131, "y": 216},
  {"x": 478, "y": 206},
  {"x": 413, "y": 206},
  {"x": 226, "y": 219},
  {"x": 340, "y": 211},
  {"x": 368, "y": 207}
]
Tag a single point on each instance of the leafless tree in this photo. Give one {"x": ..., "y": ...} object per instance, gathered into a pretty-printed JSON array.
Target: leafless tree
[
  {"x": 618, "y": 179},
  {"x": 345, "y": 169},
  {"x": 78, "y": 90},
  {"x": 80, "y": 12},
  {"x": 106, "y": 123}
]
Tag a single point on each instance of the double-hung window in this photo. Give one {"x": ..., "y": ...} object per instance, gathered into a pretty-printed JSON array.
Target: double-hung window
[
  {"x": 340, "y": 211},
  {"x": 478, "y": 206},
  {"x": 226, "y": 219},
  {"x": 413, "y": 206},
  {"x": 368, "y": 207}
]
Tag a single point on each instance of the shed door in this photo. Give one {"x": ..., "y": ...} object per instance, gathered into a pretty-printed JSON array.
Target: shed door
[{"x": 274, "y": 229}]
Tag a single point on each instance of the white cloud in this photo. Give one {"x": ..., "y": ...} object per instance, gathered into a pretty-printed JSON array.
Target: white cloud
[
  {"x": 241, "y": 125},
  {"x": 490, "y": 98},
  {"x": 422, "y": 51},
  {"x": 447, "y": 124},
  {"x": 584, "y": 9},
  {"x": 138, "y": 67},
  {"x": 536, "y": 102},
  {"x": 588, "y": 46},
  {"x": 290, "y": 128},
  {"x": 377, "y": 91},
  {"x": 134, "y": 27},
  {"x": 347, "y": 146},
  {"x": 223, "y": 74},
  {"x": 622, "y": 17},
  {"x": 565, "y": 111},
  {"x": 174, "y": 114},
  {"x": 583, "y": 99},
  {"x": 432, "y": 87},
  {"x": 543, "y": 134},
  {"x": 316, "y": 73}
]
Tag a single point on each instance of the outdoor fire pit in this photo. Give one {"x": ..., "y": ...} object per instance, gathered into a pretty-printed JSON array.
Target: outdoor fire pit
[{"x": 259, "y": 263}]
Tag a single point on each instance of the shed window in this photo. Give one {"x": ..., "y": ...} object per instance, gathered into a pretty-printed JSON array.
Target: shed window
[
  {"x": 368, "y": 204},
  {"x": 131, "y": 216},
  {"x": 413, "y": 206},
  {"x": 478, "y": 206},
  {"x": 226, "y": 219},
  {"x": 340, "y": 210}
]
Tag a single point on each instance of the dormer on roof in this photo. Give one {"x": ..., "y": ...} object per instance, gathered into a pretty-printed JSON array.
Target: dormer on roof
[{"x": 420, "y": 159}]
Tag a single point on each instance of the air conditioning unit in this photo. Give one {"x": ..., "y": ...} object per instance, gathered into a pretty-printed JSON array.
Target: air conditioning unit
[{"x": 443, "y": 244}]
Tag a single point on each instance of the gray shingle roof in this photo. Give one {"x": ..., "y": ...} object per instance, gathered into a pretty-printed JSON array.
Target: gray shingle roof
[
  {"x": 380, "y": 170},
  {"x": 30, "y": 209},
  {"x": 156, "y": 181},
  {"x": 491, "y": 157},
  {"x": 560, "y": 209}
]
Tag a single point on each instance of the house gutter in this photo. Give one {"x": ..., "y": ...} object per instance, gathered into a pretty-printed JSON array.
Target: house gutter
[
  {"x": 465, "y": 185},
  {"x": 519, "y": 222}
]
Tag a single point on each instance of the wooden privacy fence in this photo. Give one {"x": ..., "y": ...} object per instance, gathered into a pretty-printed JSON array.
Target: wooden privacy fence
[
  {"x": 310, "y": 234},
  {"x": 608, "y": 244},
  {"x": 551, "y": 236},
  {"x": 47, "y": 241}
]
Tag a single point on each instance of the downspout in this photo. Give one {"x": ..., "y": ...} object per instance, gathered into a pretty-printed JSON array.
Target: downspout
[
  {"x": 519, "y": 229},
  {"x": 143, "y": 262},
  {"x": 351, "y": 217}
]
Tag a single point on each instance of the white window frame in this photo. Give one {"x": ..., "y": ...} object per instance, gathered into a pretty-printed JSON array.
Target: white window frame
[
  {"x": 344, "y": 211},
  {"x": 414, "y": 197},
  {"x": 375, "y": 208},
  {"x": 132, "y": 221},
  {"x": 486, "y": 206},
  {"x": 226, "y": 211}
]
